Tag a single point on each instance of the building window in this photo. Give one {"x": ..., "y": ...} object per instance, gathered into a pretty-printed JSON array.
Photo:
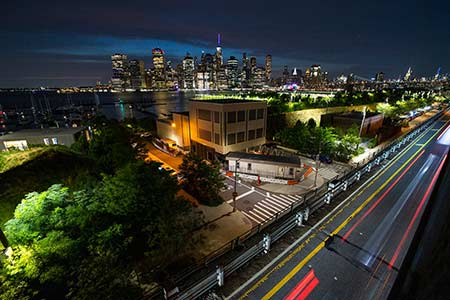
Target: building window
[
  {"x": 249, "y": 166},
  {"x": 231, "y": 139},
  {"x": 217, "y": 138},
  {"x": 55, "y": 141},
  {"x": 241, "y": 116},
  {"x": 240, "y": 137},
  {"x": 46, "y": 141},
  {"x": 251, "y": 134},
  {"x": 231, "y": 117},
  {"x": 252, "y": 114},
  {"x": 204, "y": 114},
  {"x": 216, "y": 117},
  {"x": 259, "y": 133},
  {"x": 204, "y": 134},
  {"x": 291, "y": 171},
  {"x": 260, "y": 113}
]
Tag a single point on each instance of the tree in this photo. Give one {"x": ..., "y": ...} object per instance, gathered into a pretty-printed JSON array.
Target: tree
[
  {"x": 76, "y": 244},
  {"x": 201, "y": 179}
]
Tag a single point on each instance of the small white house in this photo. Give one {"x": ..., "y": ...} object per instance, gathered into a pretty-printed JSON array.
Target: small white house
[{"x": 269, "y": 168}]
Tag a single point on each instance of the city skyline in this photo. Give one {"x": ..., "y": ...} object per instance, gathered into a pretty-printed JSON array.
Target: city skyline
[{"x": 61, "y": 44}]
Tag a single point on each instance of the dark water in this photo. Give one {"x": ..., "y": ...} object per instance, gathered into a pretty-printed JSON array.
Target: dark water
[{"x": 113, "y": 105}]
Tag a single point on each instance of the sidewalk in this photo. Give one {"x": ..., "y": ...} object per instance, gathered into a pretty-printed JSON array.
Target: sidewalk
[
  {"x": 227, "y": 225},
  {"x": 294, "y": 189}
]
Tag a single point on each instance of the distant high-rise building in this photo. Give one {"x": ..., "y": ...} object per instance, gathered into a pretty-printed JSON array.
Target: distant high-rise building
[
  {"x": 137, "y": 74},
  {"x": 258, "y": 77},
  {"x": 219, "y": 57},
  {"x": 379, "y": 77},
  {"x": 268, "y": 67},
  {"x": 188, "y": 72},
  {"x": 121, "y": 75},
  {"x": 232, "y": 72},
  {"x": 314, "y": 77},
  {"x": 252, "y": 62},
  {"x": 408, "y": 74},
  {"x": 159, "y": 69},
  {"x": 203, "y": 79}
]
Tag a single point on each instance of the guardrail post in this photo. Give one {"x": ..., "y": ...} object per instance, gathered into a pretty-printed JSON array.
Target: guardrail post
[
  {"x": 358, "y": 175},
  {"x": 220, "y": 275},
  {"x": 328, "y": 198},
  {"x": 306, "y": 214},
  {"x": 299, "y": 219},
  {"x": 266, "y": 243},
  {"x": 369, "y": 166},
  {"x": 345, "y": 185}
]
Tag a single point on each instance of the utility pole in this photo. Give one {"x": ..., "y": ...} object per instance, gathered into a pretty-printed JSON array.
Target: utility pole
[
  {"x": 235, "y": 183},
  {"x": 317, "y": 164},
  {"x": 363, "y": 119}
]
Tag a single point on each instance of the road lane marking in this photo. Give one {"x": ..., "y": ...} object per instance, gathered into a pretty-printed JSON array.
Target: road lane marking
[
  {"x": 250, "y": 217},
  {"x": 263, "y": 211},
  {"x": 273, "y": 210},
  {"x": 300, "y": 265},
  {"x": 257, "y": 216},
  {"x": 241, "y": 196},
  {"x": 290, "y": 252}
]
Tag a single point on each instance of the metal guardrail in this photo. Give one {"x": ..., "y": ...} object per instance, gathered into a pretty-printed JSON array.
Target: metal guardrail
[{"x": 295, "y": 215}]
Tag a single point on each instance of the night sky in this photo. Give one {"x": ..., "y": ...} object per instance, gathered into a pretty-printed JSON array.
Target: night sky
[{"x": 61, "y": 43}]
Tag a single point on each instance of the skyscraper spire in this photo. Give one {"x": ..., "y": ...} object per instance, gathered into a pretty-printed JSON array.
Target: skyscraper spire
[{"x": 218, "y": 39}]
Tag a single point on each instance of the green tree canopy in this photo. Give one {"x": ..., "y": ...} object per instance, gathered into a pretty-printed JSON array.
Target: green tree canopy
[
  {"x": 77, "y": 244},
  {"x": 202, "y": 179}
]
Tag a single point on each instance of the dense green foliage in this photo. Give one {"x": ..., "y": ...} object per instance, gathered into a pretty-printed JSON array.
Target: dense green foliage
[
  {"x": 202, "y": 179},
  {"x": 110, "y": 145},
  {"x": 77, "y": 244},
  {"x": 36, "y": 170},
  {"x": 309, "y": 139}
]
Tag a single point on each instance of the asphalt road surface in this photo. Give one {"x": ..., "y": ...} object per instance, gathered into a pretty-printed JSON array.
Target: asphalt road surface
[{"x": 356, "y": 251}]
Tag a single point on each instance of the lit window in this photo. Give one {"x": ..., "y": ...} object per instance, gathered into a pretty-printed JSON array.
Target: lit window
[{"x": 46, "y": 141}]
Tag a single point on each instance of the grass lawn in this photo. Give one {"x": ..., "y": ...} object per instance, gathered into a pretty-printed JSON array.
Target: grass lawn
[{"x": 22, "y": 172}]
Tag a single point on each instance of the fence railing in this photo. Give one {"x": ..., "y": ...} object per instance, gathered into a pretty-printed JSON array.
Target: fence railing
[{"x": 290, "y": 217}]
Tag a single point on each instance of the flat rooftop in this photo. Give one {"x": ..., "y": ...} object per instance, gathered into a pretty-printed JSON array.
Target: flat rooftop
[
  {"x": 226, "y": 100},
  {"x": 290, "y": 160},
  {"x": 24, "y": 133}
]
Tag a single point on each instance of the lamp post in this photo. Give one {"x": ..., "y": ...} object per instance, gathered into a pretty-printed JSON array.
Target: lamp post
[{"x": 235, "y": 183}]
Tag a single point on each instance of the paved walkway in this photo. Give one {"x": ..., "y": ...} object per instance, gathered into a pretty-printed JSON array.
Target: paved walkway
[{"x": 294, "y": 189}]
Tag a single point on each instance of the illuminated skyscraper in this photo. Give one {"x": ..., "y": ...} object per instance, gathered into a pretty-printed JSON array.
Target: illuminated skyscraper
[
  {"x": 408, "y": 74},
  {"x": 137, "y": 73},
  {"x": 252, "y": 62},
  {"x": 219, "y": 57},
  {"x": 268, "y": 67},
  {"x": 121, "y": 74},
  {"x": 159, "y": 69},
  {"x": 188, "y": 72},
  {"x": 232, "y": 72}
]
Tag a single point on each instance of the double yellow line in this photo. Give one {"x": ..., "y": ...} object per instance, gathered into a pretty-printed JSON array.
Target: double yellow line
[{"x": 302, "y": 263}]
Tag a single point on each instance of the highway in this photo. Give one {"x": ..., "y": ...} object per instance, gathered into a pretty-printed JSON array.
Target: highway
[{"x": 356, "y": 251}]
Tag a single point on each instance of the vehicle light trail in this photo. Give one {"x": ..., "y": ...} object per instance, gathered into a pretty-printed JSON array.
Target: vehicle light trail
[
  {"x": 375, "y": 204},
  {"x": 416, "y": 214}
]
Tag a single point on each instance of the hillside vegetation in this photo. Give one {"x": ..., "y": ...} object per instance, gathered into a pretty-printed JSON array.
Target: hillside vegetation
[{"x": 21, "y": 172}]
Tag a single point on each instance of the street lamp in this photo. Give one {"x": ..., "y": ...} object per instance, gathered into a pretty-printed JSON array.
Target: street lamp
[{"x": 235, "y": 182}]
